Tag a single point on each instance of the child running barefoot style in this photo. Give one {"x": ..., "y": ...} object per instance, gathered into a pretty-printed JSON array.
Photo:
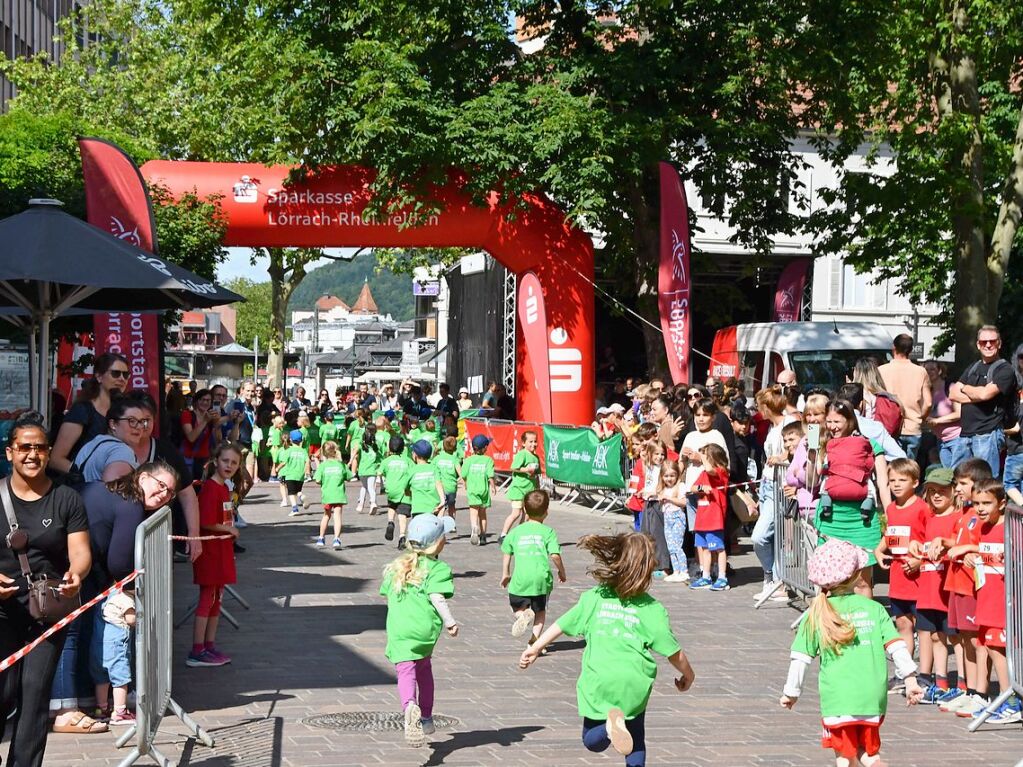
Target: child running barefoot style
[
  {"x": 986, "y": 558},
  {"x": 292, "y": 468},
  {"x": 851, "y": 634},
  {"x": 417, "y": 585},
  {"x": 393, "y": 469},
  {"x": 331, "y": 475},
  {"x": 525, "y": 469},
  {"x": 480, "y": 487},
  {"x": 622, "y": 623},
  {"x": 530, "y": 545},
  {"x": 672, "y": 495},
  {"x": 711, "y": 490},
  {"x": 214, "y": 568}
]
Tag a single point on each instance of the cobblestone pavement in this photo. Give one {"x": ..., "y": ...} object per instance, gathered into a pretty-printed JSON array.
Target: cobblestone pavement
[{"x": 313, "y": 644}]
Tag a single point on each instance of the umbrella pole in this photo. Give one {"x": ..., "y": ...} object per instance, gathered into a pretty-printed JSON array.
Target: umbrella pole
[
  {"x": 33, "y": 369},
  {"x": 45, "y": 397}
]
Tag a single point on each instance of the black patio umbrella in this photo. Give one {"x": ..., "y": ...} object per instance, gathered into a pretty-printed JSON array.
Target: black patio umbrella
[{"x": 53, "y": 264}]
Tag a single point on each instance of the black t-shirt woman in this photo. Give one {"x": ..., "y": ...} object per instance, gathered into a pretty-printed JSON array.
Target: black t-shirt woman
[
  {"x": 87, "y": 417},
  {"x": 55, "y": 521}
]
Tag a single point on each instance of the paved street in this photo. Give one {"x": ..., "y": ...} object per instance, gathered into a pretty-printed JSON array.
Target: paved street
[{"x": 313, "y": 644}]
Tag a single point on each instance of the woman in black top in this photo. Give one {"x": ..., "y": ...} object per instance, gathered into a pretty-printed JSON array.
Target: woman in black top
[
  {"x": 87, "y": 417},
  {"x": 58, "y": 547}
]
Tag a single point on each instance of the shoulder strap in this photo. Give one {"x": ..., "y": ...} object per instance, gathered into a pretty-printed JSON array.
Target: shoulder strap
[
  {"x": 152, "y": 449},
  {"x": 12, "y": 520},
  {"x": 993, "y": 367},
  {"x": 81, "y": 466}
]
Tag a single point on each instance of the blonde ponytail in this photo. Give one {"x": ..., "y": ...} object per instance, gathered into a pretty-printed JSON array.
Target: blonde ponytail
[
  {"x": 822, "y": 621},
  {"x": 404, "y": 571}
]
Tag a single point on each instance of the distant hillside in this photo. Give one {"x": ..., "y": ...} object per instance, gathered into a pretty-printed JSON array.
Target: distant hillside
[{"x": 344, "y": 279}]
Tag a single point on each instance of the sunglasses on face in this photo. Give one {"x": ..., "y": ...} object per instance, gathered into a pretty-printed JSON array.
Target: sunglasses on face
[
  {"x": 119, "y": 374},
  {"x": 693, "y": 395},
  {"x": 27, "y": 448},
  {"x": 988, "y": 342},
  {"x": 136, "y": 423}
]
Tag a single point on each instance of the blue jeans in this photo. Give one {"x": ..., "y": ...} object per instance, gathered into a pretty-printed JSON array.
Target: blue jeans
[
  {"x": 763, "y": 530},
  {"x": 954, "y": 451},
  {"x": 1013, "y": 474},
  {"x": 911, "y": 444},
  {"x": 595, "y": 738},
  {"x": 988, "y": 447},
  {"x": 109, "y": 652}
]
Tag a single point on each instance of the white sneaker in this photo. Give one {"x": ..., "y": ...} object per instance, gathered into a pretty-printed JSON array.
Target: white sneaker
[
  {"x": 414, "y": 734},
  {"x": 956, "y": 704},
  {"x": 676, "y": 578},
  {"x": 767, "y": 589},
  {"x": 974, "y": 705},
  {"x": 303, "y": 500},
  {"x": 285, "y": 504},
  {"x": 523, "y": 622}
]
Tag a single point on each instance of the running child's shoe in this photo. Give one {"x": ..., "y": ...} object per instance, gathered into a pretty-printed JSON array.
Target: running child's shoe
[
  {"x": 618, "y": 733},
  {"x": 703, "y": 582},
  {"x": 336, "y": 545},
  {"x": 389, "y": 532},
  {"x": 429, "y": 728},
  {"x": 414, "y": 734},
  {"x": 320, "y": 543},
  {"x": 523, "y": 622},
  {"x": 721, "y": 584}
]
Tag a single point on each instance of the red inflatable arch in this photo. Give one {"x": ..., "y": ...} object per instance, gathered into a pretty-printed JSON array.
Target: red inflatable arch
[{"x": 264, "y": 210}]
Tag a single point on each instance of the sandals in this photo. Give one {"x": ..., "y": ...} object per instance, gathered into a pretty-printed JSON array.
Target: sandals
[{"x": 80, "y": 724}]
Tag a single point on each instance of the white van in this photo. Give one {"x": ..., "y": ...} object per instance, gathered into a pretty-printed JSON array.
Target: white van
[{"x": 821, "y": 353}]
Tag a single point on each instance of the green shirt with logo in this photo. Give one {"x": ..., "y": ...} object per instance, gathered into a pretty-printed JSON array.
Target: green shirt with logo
[
  {"x": 395, "y": 469},
  {"x": 368, "y": 462},
  {"x": 531, "y": 544},
  {"x": 618, "y": 667},
  {"x": 478, "y": 471},
  {"x": 295, "y": 459},
  {"x": 331, "y": 476},
  {"x": 523, "y": 483},
  {"x": 413, "y": 624},
  {"x": 422, "y": 484},
  {"x": 447, "y": 465}
]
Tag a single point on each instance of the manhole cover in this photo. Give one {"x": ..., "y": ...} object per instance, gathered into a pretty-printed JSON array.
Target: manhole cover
[{"x": 371, "y": 721}]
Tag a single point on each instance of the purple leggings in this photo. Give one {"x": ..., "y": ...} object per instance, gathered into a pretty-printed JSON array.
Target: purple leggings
[{"x": 413, "y": 674}]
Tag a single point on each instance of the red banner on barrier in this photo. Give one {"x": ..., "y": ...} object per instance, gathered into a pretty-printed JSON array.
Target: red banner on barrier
[
  {"x": 505, "y": 439},
  {"x": 533, "y": 320}
]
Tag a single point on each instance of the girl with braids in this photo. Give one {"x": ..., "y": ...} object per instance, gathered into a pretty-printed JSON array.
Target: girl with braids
[
  {"x": 851, "y": 634},
  {"x": 622, "y": 623},
  {"x": 417, "y": 586}
]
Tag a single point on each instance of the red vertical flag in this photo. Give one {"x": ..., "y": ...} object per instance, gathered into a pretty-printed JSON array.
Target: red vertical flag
[
  {"x": 116, "y": 201},
  {"x": 673, "y": 281},
  {"x": 788, "y": 296},
  {"x": 533, "y": 320}
]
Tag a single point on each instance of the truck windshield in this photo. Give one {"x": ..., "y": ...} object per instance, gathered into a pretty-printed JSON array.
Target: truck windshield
[{"x": 829, "y": 369}]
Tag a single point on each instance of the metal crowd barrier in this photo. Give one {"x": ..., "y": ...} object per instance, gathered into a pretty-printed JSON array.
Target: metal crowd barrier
[
  {"x": 154, "y": 598},
  {"x": 1013, "y": 612},
  {"x": 794, "y": 542},
  {"x": 604, "y": 499}
]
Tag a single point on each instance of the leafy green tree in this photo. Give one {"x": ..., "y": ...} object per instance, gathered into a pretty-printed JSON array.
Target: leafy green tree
[
  {"x": 254, "y": 313},
  {"x": 938, "y": 84}
]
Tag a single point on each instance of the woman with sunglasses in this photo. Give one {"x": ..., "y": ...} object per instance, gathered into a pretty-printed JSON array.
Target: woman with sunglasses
[
  {"x": 87, "y": 417},
  {"x": 113, "y": 454},
  {"x": 57, "y": 528}
]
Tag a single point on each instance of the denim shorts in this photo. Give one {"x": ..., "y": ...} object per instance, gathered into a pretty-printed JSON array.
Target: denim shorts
[
  {"x": 110, "y": 653},
  {"x": 711, "y": 540}
]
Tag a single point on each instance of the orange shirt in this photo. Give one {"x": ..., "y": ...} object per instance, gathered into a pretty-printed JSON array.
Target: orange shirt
[{"x": 958, "y": 577}]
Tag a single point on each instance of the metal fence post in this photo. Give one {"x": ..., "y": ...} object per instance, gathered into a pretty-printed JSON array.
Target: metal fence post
[
  {"x": 1013, "y": 612},
  {"x": 154, "y": 601},
  {"x": 794, "y": 541}
]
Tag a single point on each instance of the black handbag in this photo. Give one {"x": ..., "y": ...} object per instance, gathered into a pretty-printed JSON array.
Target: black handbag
[{"x": 45, "y": 602}]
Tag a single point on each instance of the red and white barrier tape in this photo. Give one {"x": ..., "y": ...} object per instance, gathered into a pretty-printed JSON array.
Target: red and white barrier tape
[{"x": 10, "y": 660}]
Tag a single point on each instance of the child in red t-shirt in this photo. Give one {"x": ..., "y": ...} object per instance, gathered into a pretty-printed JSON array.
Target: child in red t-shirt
[
  {"x": 931, "y": 599},
  {"x": 711, "y": 489},
  {"x": 986, "y": 559},
  {"x": 907, "y": 517},
  {"x": 971, "y": 657},
  {"x": 214, "y": 568}
]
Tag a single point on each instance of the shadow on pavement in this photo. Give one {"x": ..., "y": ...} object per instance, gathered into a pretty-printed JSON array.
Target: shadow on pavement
[
  {"x": 474, "y": 738},
  {"x": 254, "y": 743}
]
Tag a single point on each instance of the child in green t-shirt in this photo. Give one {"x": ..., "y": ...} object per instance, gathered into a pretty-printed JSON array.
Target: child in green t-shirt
[
  {"x": 394, "y": 469},
  {"x": 417, "y": 585},
  {"x": 422, "y": 483},
  {"x": 480, "y": 487},
  {"x": 622, "y": 623},
  {"x": 449, "y": 467},
  {"x": 329, "y": 431},
  {"x": 851, "y": 633},
  {"x": 273, "y": 443},
  {"x": 293, "y": 468},
  {"x": 331, "y": 475},
  {"x": 530, "y": 545},
  {"x": 525, "y": 469},
  {"x": 365, "y": 465}
]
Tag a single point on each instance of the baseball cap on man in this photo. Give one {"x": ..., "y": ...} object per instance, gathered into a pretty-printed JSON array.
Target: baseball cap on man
[
  {"x": 295, "y": 435},
  {"x": 424, "y": 530},
  {"x": 480, "y": 442}
]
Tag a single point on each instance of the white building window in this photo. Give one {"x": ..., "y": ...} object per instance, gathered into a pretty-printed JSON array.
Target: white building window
[{"x": 849, "y": 290}]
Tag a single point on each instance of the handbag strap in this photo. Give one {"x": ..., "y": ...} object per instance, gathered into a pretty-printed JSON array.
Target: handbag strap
[{"x": 12, "y": 521}]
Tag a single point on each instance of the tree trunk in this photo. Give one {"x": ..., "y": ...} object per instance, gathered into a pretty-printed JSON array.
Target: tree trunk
[
  {"x": 645, "y": 200},
  {"x": 973, "y": 300},
  {"x": 1007, "y": 224}
]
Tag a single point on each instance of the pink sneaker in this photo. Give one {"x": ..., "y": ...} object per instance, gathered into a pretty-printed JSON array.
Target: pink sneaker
[
  {"x": 123, "y": 718},
  {"x": 214, "y": 653}
]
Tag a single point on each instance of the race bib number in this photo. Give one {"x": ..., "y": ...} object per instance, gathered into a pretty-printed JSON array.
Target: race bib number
[
  {"x": 897, "y": 538},
  {"x": 993, "y": 556},
  {"x": 227, "y": 513}
]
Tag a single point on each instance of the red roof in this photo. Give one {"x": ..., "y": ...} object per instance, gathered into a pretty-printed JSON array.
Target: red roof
[
  {"x": 365, "y": 304},
  {"x": 326, "y": 303}
]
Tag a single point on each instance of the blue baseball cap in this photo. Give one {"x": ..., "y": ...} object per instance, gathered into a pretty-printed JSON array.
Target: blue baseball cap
[
  {"x": 422, "y": 448},
  {"x": 424, "y": 530},
  {"x": 295, "y": 435},
  {"x": 480, "y": 442}
]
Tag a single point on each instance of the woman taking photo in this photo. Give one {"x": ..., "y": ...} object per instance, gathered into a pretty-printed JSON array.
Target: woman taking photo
[
  {"x": 114, "y": 453},
  {"x": 87, "y": 417},
  {"x": 57, "y": 528},
  {"x": 201, "y": 427}
]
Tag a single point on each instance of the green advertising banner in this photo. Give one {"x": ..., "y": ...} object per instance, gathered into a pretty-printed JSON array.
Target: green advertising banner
[{"x": 577, "y": 457}]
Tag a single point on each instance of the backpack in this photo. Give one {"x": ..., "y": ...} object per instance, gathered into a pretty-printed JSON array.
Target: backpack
[
  {"x": 888, "y": 411},
  {"x": 1011, "y": 397},
  {"x": 850, "y": 462}
]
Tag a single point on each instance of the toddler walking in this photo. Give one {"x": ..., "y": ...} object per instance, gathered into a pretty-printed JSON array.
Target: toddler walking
[
  {"x": 110, "y": 656},
  {"x": 622, "y": 623},
  {"x": 417, "y": 585},
  {"x": 851, "y": 634}
]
